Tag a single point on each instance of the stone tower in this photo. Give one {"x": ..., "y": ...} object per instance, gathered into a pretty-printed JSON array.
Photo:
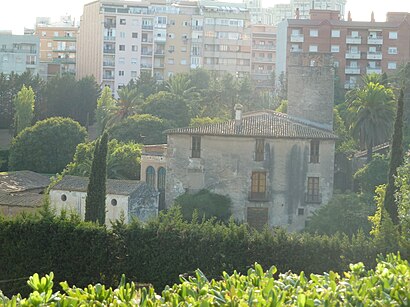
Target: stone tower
[{"x": 311, "y": 88}]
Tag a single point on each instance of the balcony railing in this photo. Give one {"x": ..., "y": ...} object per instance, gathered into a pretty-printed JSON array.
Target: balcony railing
[
  {"x": 313, "y": 198},
  {"x": 146, "y": 52},
  {"x": 147, "y": 27},
  {"x": 373, "y": 70},
  {"x": 159, "y": 52},
  {"x": 109, "y": 51},
  {"x": 146, "y": 66},
  {"x": 297, "y": 38},
  {"x": 352, "y": 70},
  {"x": 108, "y": 77},
  {"x": 146, "y": 40},
  {"x": 375, "y": 40},
  {"x": 108, "y": 63},
  {"x": 14, "y": 50},
  {"x": 353, "y": 55},
  {"x": 353, "y": 40},
  {"x": 261, "y": 59},
  {"x": 264, "y": 47},
  {"x": 159, "y": 65},
  {"x": 109, "y": 38},
  {"x": 197, "y": 28},
  {"x": 374, "y": 55},
  {"x": 109, "y": 25},
  {"x": 296, "y": 50},
  {"x": 160, "y": 39}
]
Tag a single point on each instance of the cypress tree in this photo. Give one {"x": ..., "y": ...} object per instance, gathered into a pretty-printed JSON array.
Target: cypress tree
[
  {"x": 95, "y": 200},
  {"x": 396, "y": 159}
]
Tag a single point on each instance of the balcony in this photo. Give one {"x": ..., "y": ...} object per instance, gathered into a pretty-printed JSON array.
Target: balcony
[
  {"x": 197, "y": 28},
  {"x": 258, "y": 196},
  {"x": 264, "y": 47},
  {"x": 378, "y": 40},
  {"x": 374, "y": 55},
  {"x": 296, "y": 50},
  {"x": 64, "y": 61},
  {"x": 109, "y": 24},
  {"x": 350, "y": 85},
  {"x": 373, "y": 70},
  {"x": 147, "y": 27},
  {"x": 353, "y": 55},
  {"x": 108, "y": 77},
  {"x": 146, "y": 52},
  {"x": 146, "y": 66},
  {"x": 110, "y": 51},
  {"x": 353, "y": 40},
  {"x": 146, "y": 40},
  {"x": 109, "y": 38},
  {"x": 313, "y": 198},
  {"x": 159, "y": 65},
  {"x": 297, "y": 38},
  {"x": 264, "y": 60},
  {"x": 109, "y": 63},
  {"x": 159, "y": 52},
  {"x": 160, "y": 39},
  {"x": 349, "y": 70}
]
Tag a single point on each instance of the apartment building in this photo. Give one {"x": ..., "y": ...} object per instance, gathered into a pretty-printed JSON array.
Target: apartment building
[
  {"x": 57, "y": 46},
  {"x": 263, "y": 56},
  {"x": 226, "y": 39},
  {"x": 357, "y": 47},
  {"x": 18, "y": 53}
]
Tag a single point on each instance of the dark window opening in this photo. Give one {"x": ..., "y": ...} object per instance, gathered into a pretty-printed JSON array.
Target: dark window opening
[
  {"x": 260, "y": 150},
  {"x": 150, "y": 176},
  {"x": 258, "y": 186},
  {"x": 313, "y": 195},
  {"x": 314, "y": 151},
  {"x": 196, "y": 147}
]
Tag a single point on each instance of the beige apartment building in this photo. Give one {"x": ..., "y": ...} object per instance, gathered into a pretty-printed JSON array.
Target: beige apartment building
[
  {"x": 57, "y": 46},
  {"x": 263, "y": 56},
  {"x": 357, "y": 47},
  {"x": 120, "y": 39}
]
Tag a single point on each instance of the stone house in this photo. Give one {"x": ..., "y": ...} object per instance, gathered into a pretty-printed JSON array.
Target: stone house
[
  {"x": 276, "y": 168},
  {"x": 130, "y": 198},
  {"x": 21, "y": 191}
]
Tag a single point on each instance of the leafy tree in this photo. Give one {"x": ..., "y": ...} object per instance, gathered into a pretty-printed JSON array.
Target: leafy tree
[
  {"x": 180, "y": 86},
  {"x": 396, "y": 159},
  {"x": 123, "y": 160},
  {"x": 96, "y": 190},
  {"x": 88, "y": 92},
  {"x": 142, "y": 128},
  {"x": 128, "y": 103},
  {"x": 283, "y": 107},
  {"x": 24, "y": 105},
  {"x": 146, "y": 84},
  {"x": 46, "y": 147},
  {"x": 206, "y": 203},
  {"x": 105, "y": 105},
  {"x": 403, "y": 197},
  {"x": 372, "y": 113},
  {"x": 345, "y": 143},
  {"x": 168, "y": 107},
  {"x": 345, "y": 213},
  {"x": 372, "y": 174}
]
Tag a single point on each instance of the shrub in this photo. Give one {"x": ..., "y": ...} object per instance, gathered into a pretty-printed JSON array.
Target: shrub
[
  {"x": 372, "y": 174},
  {"x": 206, "y": 203}
]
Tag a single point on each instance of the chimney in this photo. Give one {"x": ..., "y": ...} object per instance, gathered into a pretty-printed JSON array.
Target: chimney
[
  {"x": 238, "y": 115},
  {"x": 349, "y": 16},
  {"x": 372, "y": 17},
  {"x": 297, "y": 13}
]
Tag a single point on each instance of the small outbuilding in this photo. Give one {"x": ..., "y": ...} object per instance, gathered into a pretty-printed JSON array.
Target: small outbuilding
[{"x": 127, "y": 198}]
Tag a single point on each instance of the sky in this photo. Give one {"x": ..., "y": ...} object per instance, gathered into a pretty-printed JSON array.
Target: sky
[{"x": 17, "y": 14}]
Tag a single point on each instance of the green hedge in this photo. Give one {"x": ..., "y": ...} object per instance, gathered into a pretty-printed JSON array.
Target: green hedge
[{"x": 159, "y": 251}]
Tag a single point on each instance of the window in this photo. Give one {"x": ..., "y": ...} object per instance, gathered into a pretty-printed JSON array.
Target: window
[
  {"x": 121, "y": 60},
  {"x": 171, "y": 61},
  {"x": 122, "y": 47},
  {"x": 336, "y": 63},
  {"x": 335, "y": 33},
  {"x": 49, "y": 45},
  {"x": 134, "y": 48},
  {"x": 171, "y": 35},
  {"x": 392, "y": 65},
  {"x": 392, "y": 50},
  {"x": 301, "y": 211},
  {"x": 196, "y": 147},
  {"x": 122, "y": 22},
  {"x": 313, "y": 195},
  {"x": 63, "y": 197},
  {"x": 134, "y": 60},
  {"x": 114, "y": 202},
  {"x": 392, "y": 35},
  {"x": 183, "y": 49},
  {"x": 313, "y": 48},
  {"x": 258, "y": 186},
  {"x": 183, "y": 62},
  {"x": 355, "y": 34},
  {"x": 134, "y": 35},
  {"x": 334, "y": 48},
  {"x": 121, "y": 73},
  {"x": 314, "y": 151},
  {"x": 260, "y": 150},
  {"x": 161, "y": 187},
  {"x": 134, "y": 74},
  {"x": 122, "y": 34},
  {"x": 150, "y": 176},
  {"x": 55, "y": 34},
  {"x": 314, "y": 33}
]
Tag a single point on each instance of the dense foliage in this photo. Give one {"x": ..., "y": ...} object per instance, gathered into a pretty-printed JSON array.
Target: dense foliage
[
  {"x": 123, "y": 160},
  {"x": 96, "y": 189},
  {"x": 206, "y": 204},
  {"x": 372, "y": 174},
  {"x": 386, "y": 285},
  {"x": 159, "y": 251},
  {"x": 24, "y": 106},
  {"x": 46, "y": 147},
  {"x": 346, "y": 213}
]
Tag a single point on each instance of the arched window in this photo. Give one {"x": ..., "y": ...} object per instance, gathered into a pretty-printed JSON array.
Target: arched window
[
  {"x": 161, "y": 179},
  {"x": 150, "y": 176}
]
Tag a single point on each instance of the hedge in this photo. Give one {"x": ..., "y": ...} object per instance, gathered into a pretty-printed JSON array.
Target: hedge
[{"x": 157, "y": 252}]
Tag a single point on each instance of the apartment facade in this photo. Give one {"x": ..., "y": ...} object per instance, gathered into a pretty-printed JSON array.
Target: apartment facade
[
  {"x": 357, "y": 47},
  {"x": 58, "y": 46},
  {"x": 18, "y": 53},
  {"x": 263, "y": 56}
]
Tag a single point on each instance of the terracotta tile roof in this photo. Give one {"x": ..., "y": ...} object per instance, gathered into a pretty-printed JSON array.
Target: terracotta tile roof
[
  {"x": 113, "y": 186},
  {"x": 22, "y": 181},
  {"x": 262, "y": 124}
]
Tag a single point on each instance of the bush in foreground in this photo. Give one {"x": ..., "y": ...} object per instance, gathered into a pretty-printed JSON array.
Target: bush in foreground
[{"x": 386, "y": 285}]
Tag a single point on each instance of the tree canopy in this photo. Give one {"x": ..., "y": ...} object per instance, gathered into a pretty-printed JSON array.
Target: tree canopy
[{"x": 46, "y": 147}]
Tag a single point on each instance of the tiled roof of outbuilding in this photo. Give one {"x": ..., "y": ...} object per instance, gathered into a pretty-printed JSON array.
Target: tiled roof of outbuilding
[
  {"x": 113, "y": 186},
  {"x": 262, "y": 124}
]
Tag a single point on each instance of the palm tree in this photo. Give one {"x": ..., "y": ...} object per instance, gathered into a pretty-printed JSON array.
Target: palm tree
[
  {"x": 372, "y": 115},
  {"x": 128, "y": 103},
  {"x": 180, "y": 86}
]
